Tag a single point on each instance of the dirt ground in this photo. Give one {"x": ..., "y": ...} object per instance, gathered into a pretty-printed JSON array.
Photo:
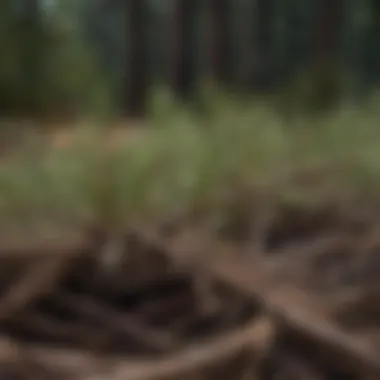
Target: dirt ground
[
  {"x": 183, "y": 305},
  {"x": 62, "y": 137},
  {"x": 59, "y": 135},
  {"x": 306, "y": 307}
]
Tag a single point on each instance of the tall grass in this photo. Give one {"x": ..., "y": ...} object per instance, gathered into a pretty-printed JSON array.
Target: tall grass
[{"x": 185, "y": 164}]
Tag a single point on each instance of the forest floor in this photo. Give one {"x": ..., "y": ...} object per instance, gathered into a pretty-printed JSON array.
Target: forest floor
[{"x": 272, "y": 290}]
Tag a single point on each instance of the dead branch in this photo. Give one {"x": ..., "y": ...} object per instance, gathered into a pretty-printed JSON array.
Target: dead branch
[
  {"x": 25, "y": 252},
  {"x": 127, "y": 327},
  {"x": 40, "y": 280},
  {"x": 255, "y": 337},
  {"x": 76, "y": 333},
  {"x": 295, "y": 313}
]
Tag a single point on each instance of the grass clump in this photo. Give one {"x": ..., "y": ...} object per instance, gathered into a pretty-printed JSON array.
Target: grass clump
[{"x": 185, "y": 165}]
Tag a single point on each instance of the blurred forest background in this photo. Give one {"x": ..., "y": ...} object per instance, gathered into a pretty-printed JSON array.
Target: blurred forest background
[{"x": 63, "y": 57}]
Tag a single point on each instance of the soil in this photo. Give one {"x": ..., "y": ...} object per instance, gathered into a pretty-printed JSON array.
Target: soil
[
  {"x": 62, "y": 135},
  {"x": 306, "y": 307}
]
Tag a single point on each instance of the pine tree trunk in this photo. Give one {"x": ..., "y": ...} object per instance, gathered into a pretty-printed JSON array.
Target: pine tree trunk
[
  {"x": 326, "y": 88},
  {"x": 372, "y": 52},
  {"x": 329, "y": 24},
  {"x": 263, "y": 40},
  {"x": 186, "y": 75},
  {"x": 33, "y": 57},
  {"x": 222, "y": 42},
  {"x": 137, "y": 89}
]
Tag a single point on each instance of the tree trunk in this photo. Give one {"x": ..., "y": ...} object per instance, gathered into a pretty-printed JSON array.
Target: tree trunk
[
  {"x": 222, "y": 42},
  {"x": 263, "y": 40},
  {"x": 33, "y": 49},
  {"x": 371, "y": 54},
  {"x": 138, "y": 60},
  {"x": 186, "y": 51},
  {"x": 328, "y": 26},
  {"x": 326, "y": 88}
]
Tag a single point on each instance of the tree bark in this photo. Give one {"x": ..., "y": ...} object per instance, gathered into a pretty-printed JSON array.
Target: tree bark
[
  {"x": 222, "y": 42},
  {"x": 329, "y": 22},
  {"x": 137, "y": 87},
  {"x": 372, "y": 52},
  {"x": 33, "y": 48},
  {"x": 186, "y": 52},
  {"x": 263, "y": 40},
  {"x": 326, "y": 84}
]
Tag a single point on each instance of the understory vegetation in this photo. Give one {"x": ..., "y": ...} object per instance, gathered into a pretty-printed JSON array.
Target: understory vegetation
[{"x": 185, "y": 165}]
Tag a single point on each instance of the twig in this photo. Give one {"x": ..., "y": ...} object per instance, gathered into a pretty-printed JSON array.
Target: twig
[
  {"x": 126, "y": 326},
  {"x": 75, "y": 333},
  {"x": 198, "y": 357},
  {"x": 296, "y": 313},
  {"x": 40, "y": 280},
  {"x": 42, "y": 248}
]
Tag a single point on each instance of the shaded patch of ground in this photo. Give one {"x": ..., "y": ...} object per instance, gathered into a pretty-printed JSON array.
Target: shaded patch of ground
[
  {"x": 153, "y": 304},
  {"x": 308, "y": 312}
]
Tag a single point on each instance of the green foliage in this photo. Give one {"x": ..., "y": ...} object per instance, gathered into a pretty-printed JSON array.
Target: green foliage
[
  {"x": 45, "y": 66},
  {"x": 181, "y": 167}
]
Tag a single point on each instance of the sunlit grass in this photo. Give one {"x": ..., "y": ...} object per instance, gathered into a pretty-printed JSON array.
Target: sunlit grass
[{"x": 185, "y": 163}]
